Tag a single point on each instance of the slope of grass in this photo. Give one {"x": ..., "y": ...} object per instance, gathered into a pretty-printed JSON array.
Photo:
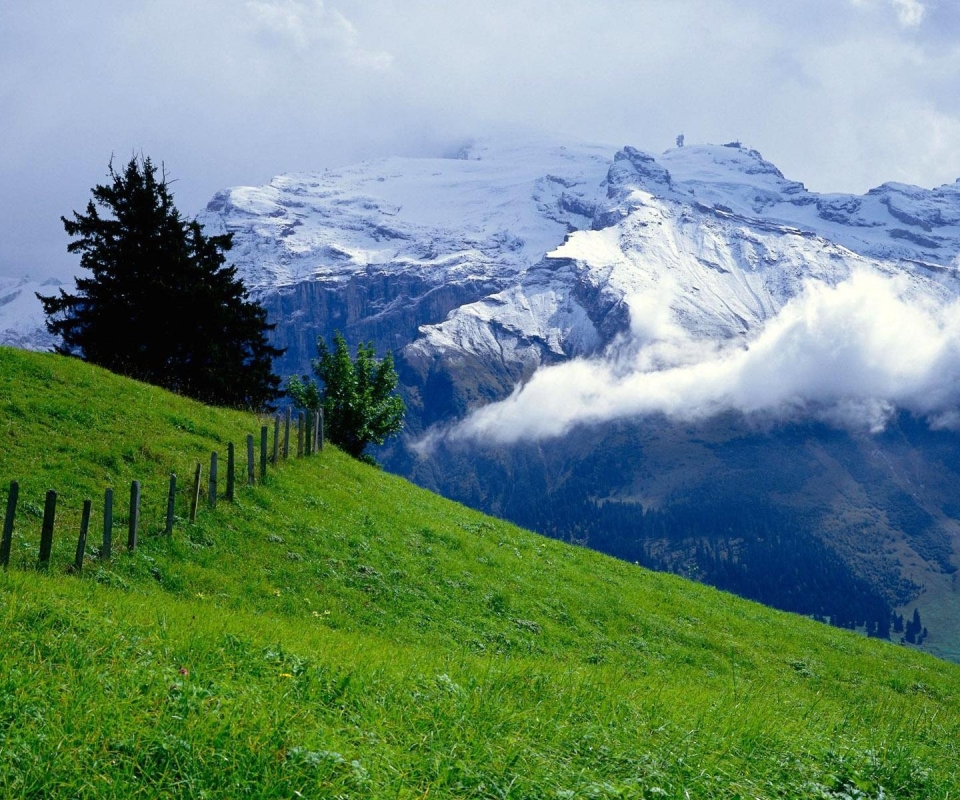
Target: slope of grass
[{"x": 338, "y": 632}]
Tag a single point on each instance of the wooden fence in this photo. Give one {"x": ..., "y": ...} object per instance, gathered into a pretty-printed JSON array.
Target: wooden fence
[{"x": 309, "y": 433}]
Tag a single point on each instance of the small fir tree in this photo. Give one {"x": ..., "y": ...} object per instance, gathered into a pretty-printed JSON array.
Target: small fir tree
[
  {"x": 160, "y": 305},
  {"x": 356, "y": 395}
]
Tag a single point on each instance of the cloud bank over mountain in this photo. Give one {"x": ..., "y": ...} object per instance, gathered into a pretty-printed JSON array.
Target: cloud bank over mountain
[{"x": 849, "y": 355}]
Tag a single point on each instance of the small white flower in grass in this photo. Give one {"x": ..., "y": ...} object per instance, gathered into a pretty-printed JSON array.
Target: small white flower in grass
[{"x": 446, "y": 683}]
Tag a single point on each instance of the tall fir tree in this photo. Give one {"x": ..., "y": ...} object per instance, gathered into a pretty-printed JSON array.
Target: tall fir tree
[{"x": 161, "y": 305}]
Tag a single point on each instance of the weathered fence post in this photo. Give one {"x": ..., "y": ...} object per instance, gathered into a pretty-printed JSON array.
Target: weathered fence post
[
  {"x": 263, "y": 453},
  {"x": 107, "y": 549},
  {"x": 8, "y": 523},
  {"x": 276, "y": 440},
  {"x": 286, "y": 434},
  {"x": 195, "y": 496},
  {"x": 171, "y": 502},
  {"x": 316, "y": 430},
  {"x": 250, "y": 470},
  {"x": 212, "y": 489},
  {"x": 82, "y": 540},
  {"x": 300, "y": 435},
  {"x": 231, "y": 471},
  {"x": 320, "y": 428},
  {"x": 46, "y": 532},
  {"x": 308, "y": 435},
  {"x": 134, "y": 516}
]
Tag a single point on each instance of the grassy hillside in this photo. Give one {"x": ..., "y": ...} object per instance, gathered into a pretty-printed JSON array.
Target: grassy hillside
[{"x": 338, "y": 632}]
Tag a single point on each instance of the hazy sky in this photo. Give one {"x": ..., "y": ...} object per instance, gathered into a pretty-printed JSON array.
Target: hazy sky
[{"x": 840, "y": 94}]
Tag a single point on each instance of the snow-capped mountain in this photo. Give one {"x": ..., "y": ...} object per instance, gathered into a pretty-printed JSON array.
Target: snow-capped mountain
[{"x": 530, "y": 254}]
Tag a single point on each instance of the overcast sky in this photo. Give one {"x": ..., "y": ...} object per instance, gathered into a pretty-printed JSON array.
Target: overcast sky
[{"x": 840, "y": 94}]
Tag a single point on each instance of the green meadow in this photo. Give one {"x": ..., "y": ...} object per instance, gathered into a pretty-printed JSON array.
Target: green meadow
[{"x": 338, "y": 632}]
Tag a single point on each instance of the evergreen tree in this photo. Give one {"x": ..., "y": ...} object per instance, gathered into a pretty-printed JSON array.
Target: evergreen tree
[
  {"x": 914, "y": 629},
  {"x": 161, "y": 305},
  {"x": 359, "y": 406}
]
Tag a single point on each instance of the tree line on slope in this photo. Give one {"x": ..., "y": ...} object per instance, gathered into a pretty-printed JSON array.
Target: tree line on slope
[{"x": 742, "y": 546}]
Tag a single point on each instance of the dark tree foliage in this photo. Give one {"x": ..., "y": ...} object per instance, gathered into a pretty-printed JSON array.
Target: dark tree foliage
[
  {"x": 160, "y": 305},
  {"x": 915, "y": 632},
  {"x": 359, "y": 406}
]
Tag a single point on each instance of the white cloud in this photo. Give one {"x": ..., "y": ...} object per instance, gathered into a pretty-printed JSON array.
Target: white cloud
[
  {"x": 305, "y": 24},
  {"x": 849, "y": 355},
  {"x": 284, "y": 19},
  {"x": 909, "y": 12}
]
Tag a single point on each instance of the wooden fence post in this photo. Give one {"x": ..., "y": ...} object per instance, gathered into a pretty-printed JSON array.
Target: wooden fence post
[
  {"x": 46, "y": 532},
  {"x": 231, "y": 471},
  {"x": 250, "y": 470},
  {"x": 316, "y": 430},
  {"x": 300, "y": 435},
  {"x": 212, "y": 489},
  {"x": 276, "y": 440},
  {"x": 195, "y": 496},
  {"x": 308, "y": 435},
  {"x": 171, "y": 502},
  {"x": 107, "y": 549},
  {"x": 286, "y": 434},
  {"x": 263, "y": 453},
  {"x": 134, "y": 516},
  {"x": 320, "y": 428},
  {"x": 82, "y": 540},
  {"x": 5, "y": 542}
]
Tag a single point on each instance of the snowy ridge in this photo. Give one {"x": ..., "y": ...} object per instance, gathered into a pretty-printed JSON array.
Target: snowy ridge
[
  {"x": 486, "y": 212},
  {"x": 893, "y": 221},
  {"x": 22, "y": 321}
]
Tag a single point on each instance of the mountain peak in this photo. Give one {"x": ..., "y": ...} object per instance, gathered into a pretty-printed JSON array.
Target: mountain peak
[{"x": 726, "y": 166}]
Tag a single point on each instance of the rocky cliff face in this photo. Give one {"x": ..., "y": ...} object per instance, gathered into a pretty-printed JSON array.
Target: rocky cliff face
[{"x": 385, "y": 247}]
